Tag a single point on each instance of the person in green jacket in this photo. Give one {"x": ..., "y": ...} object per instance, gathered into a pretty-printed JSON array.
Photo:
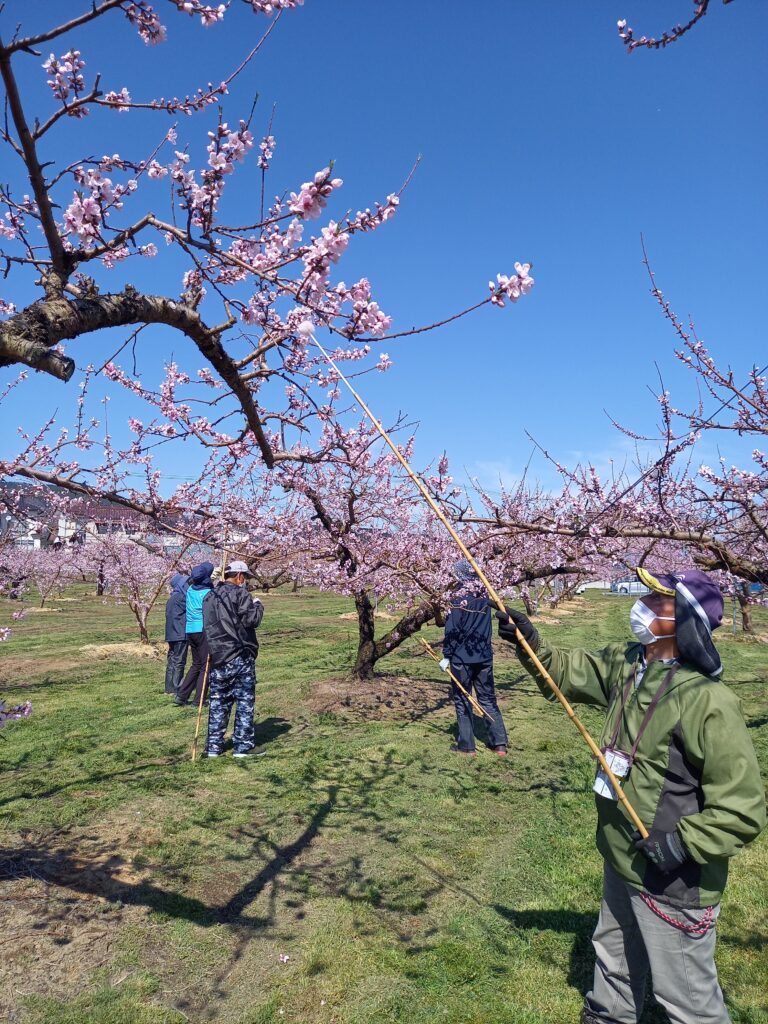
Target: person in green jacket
[{"x": 675, "y": 735}]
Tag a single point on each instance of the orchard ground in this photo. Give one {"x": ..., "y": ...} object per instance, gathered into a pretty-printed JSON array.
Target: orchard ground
[{"x": 357, "y": 873}]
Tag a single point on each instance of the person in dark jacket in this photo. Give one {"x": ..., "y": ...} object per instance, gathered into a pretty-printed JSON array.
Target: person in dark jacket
[
  {"x": 467, "y": 651},
  {"x": 675, "y": 737},
  {"x": 200, "y": 585},
  {"x": 231, "y": 618},
  {"x": 176, "y": 632}
]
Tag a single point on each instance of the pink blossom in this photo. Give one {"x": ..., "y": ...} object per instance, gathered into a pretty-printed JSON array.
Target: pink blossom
[
  {"x": 267, "y": 148},
  {"x": 119, "y": 100},
  {"x": 65, "y": 74},
  {"x": 313, "y": 195}
]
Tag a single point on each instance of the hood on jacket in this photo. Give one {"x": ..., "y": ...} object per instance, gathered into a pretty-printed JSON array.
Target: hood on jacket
[
  {"x": 464, "y": 572},
  {"x": 200, "y": 577},
  {"x": 698, "y": 611},
  {"x": 179, "y": 583}
]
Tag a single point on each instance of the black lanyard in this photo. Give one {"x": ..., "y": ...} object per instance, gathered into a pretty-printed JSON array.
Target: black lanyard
[{"x": 648, "y": 714}]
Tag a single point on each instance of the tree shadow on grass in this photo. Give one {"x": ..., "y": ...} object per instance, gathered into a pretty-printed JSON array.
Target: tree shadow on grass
[
  {"x": 270, "y": 729},
  {"x": 157, "y": 765},
  {"x": 96, "y": 865},
  {"x": 580, "y": 925}
]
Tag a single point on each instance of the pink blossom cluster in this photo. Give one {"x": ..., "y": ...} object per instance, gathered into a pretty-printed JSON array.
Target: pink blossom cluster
[
  {"x": 627, "y": 35},
  {"x": 146, "y": 21},
  {"x": 226, "y": 147},
  {"x": 208, "y": 15},
  {"x": 267, "y": 150},
  {"x": 519, "y": 283},
  {"x": 367, "y": 317},
  {"x": 14, "y": 712},
  {"x": 86, "y": 214},
  {"x": 10, "y": 225},
  {"x": 120, "y": 100},
  {"x": 66, "y": 77},
  {"x": 310, "y": 200},
  {"x": 270, "y": 6},
  {"x": 367, "y": 220}
]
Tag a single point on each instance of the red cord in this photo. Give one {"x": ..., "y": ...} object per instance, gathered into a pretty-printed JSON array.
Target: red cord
[{"x": 692, "y": 929}]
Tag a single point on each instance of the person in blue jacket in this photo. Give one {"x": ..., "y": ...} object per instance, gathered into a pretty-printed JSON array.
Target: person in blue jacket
[
  {"x": 468, "y": 652},
  {"x": 200, "y": 585},
  {"x": 176, "y": 632}
]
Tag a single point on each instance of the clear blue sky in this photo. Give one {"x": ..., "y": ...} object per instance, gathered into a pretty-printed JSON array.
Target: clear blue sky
[{"x": 541, "y": 140}]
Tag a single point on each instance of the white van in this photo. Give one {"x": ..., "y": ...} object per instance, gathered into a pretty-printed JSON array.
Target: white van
[{"x": 629, "y": 585}]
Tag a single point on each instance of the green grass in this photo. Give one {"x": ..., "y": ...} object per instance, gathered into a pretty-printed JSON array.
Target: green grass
[{"x": 403, "y": 884}]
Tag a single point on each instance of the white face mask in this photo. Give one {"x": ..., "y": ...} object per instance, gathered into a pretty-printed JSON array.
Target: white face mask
[{"x": 640, "y": 621}]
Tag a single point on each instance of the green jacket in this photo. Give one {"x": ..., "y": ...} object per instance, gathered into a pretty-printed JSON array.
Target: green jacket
[{"x": 695, "y": 768}]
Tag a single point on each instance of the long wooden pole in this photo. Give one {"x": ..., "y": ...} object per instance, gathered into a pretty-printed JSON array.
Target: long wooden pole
[
  {"x": 200, "y": 706},
  {"x": 597, "y": 752},
  {"x": 480, "y": 710}
]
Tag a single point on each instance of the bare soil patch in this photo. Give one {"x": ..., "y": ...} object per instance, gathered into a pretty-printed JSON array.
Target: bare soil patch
[
  {"x": 383, "y": 697},
  {"x": 133, "y": 649},
  {"x": 63, "y": 900}
]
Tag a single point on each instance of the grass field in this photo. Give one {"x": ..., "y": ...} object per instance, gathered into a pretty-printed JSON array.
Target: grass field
[{"x": 358, "y": 873}]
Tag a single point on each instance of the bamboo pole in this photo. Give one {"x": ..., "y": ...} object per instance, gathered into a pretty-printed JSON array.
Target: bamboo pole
[
  {"x": 430, "y": 651},
  {"x": 522, "y": 642},
  {"x": 200, "y": 706}
]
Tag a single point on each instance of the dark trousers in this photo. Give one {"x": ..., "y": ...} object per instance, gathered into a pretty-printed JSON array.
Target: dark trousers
[
  {"x": 480, "y": 676},
  {"x": 193, "y": 680},
  {"x": 234, "y": 682},
  {"x": 174, "y": 668}
]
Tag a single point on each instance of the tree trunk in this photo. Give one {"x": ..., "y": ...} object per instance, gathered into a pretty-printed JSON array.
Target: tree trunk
[
  {"x": 366, "y": 646},
  {"x": 101, "y": 583},
  {"x": 369, "y": 650},
  {"x": 745, "y": 606},
  {"x": 141, "y": 617}
]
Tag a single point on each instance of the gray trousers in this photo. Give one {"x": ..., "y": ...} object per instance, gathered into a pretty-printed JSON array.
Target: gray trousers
[{"x": 630, "y": 940}]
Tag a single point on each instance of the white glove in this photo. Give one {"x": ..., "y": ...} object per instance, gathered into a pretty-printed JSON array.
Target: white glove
[{"x": 445, "y": 665}]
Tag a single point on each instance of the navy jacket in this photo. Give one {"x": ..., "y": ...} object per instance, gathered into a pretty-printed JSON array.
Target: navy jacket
[
  {"x": 468, "y": 629},
  {"x": 176, "y": 610}
]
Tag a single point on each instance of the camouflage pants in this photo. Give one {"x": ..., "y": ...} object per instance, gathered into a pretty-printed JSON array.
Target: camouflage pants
[{"x": 234, "y": 682}]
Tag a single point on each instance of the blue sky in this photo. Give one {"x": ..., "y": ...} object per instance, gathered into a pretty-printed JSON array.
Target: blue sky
[{"x": 541, "y": 140}]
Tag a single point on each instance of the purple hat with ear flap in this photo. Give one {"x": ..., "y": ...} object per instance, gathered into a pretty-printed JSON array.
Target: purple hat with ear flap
[{"x": 698, "y": 610}]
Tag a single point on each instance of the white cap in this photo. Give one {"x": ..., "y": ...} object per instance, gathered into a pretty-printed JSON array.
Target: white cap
[{"x": 236, "y": 567}]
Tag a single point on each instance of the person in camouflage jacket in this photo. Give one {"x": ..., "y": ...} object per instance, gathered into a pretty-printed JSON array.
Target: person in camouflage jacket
[
  {"x": 231, "y": 618},
  {"x": 690, "y": 772}
]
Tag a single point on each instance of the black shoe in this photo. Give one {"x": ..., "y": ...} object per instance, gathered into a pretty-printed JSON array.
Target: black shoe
[
  {"x": 456, "y": 749},
  {"x": 253, "y": 752},
  {"x": 180, "y": 703}
]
